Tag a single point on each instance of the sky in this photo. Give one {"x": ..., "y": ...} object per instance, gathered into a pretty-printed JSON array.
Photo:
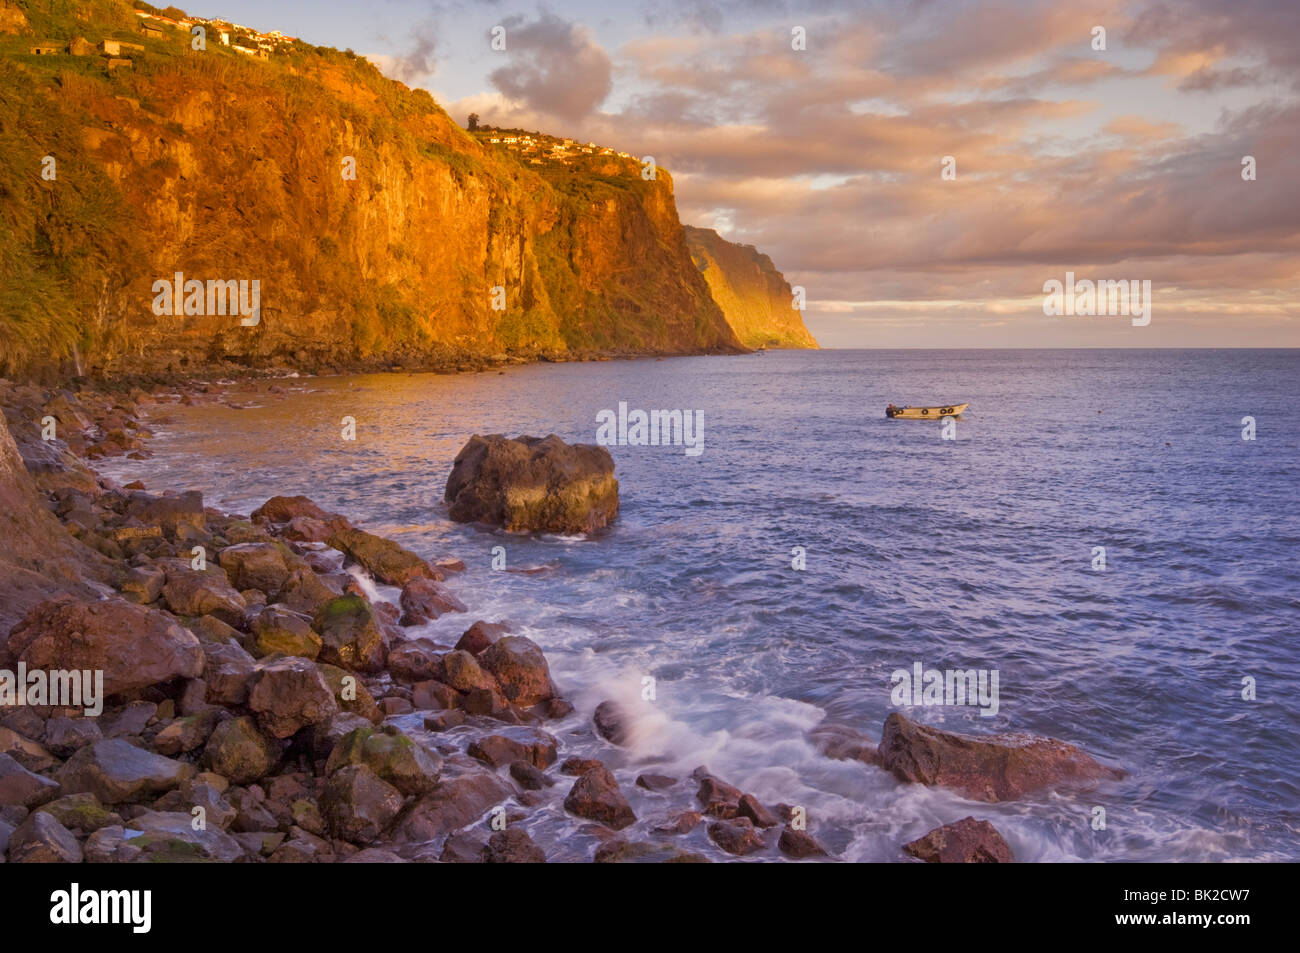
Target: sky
[{"x": 1115, "y": 163}]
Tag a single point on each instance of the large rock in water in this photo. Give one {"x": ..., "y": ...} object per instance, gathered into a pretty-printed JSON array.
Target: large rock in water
[
  {"x": 992, "y": 768},
  {"x": 533, "y": 484},
  {"x": 967, "y": 841},
  {"x": 134, "y": 646}
]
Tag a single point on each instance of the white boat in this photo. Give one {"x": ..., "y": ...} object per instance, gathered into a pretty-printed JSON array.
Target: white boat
[{"x": 925, "y": 413}]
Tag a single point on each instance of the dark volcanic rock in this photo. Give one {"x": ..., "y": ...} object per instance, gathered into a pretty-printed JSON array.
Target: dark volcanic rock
[
  {"x": 967, "y": 841},
  {"x": 736, "y": 836},
  {"x": 533, "y": 484},
  {"x": 800, "y": 844},
  {"x": 984, "y": 768},
  {"x": 612, "y": 722}
]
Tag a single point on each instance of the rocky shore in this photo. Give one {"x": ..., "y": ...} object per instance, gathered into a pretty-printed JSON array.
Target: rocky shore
[{"x": 260, "y": 704}]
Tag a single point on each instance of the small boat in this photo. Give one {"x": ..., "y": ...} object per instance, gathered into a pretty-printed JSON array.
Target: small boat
[{"x": 925, "y": 413}]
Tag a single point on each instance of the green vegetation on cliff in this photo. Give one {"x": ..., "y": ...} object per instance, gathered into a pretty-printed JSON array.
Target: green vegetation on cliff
[{"x": 225, "y": 166}]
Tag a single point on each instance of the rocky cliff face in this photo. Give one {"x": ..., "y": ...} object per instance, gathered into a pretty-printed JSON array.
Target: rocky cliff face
[
  {"x": 223, "y": 167},
  {"x": 755, "y": 298}
]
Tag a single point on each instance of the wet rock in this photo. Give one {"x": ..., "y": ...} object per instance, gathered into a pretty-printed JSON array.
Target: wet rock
[
  {"x": 480, "y": 636},
  {"x": 579, "y": 766},
  {"x": 305, "y": 529},
  {"x": 967, "y": 841},
  {"x": 64, "y": 736},
  {"x": 596, "y": 797},
  {"x": 306, "y": 592},
  {"x": 303, "y": 848},
  {"x": 23, "y": 787},
  {"x": 329, "y": 733},
  {"x": 282, "y": 509},
  {"x": 655, "y": 782},
  {"x": 41, "y": 839},
  {"x": 415, "y": 661},
  {"x": 682, "y": 823},
  {"x": 736, "y": 836},
  {"x": 81, "y": 812},
  {"x": 463, "y": 848},
  {"x": 424, "y": 599},
  {"x": 238, "y": 750},
  {"x": 444, "y": 720},
  {"x": 351, "y": 635},
  {"x": 375, "y": 855},
  {"x": 279, "y": 629},
  {"x": 719, "y": 798},
  {"x": 168, "y": 513},
  {"x": 843, "y": 744},
  {"x": 384, "y": 559},
  {"x": 395, "y": 705},
  {"x": 358, "y": 805},
  {"x": 162, "y": 837},
  {"x": 528, "y": 776},
  {"x": 987, "y": 768},
  {"x": 750, "y": 807},
  {"x": 533, "y": 484},
  {"x": 30, "y": 754},
  {"x": 115, "y": 771},
  {"x": 462, "y": 672},
  {"x": 391, "y": 755},
  {"x": 351, "y": 694},
  {"x": 800, "y": 844},
  {"x": 619, "y": 851},
  {"x": 451, "y": 806},
  {"x": 512, "y": 846},
  {"x": 520, "y": 669},
  {"x": 433, "y": 695},
  {"x": 255, "y": 566},
  {"x": 134, "y": 646},
  {"x": 516, "y": 744},
  {"x": 290, "y": 694},
  {"x": 611, "y": 722}
]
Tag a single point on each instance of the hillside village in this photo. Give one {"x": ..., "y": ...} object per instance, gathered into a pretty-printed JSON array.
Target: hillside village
[
  {"x": 537, "y": 147},
  {"x": 156, "y": 26}
]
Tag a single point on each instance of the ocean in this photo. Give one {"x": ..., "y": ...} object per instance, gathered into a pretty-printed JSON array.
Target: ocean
[{"x": 977, "y": 552}]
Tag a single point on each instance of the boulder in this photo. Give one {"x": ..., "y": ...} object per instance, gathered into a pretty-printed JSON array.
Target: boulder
[
  {"x": 800, "y": 844},
  {"x": 655, "y": 782},
  {"x": 306, "y": 592},
  {"x": 142, "y": 584},
  {"x": 719, "y": 798},
  {"x": 41, "y": 839},
  {"x": 480, "y": 635},
  {"x": 391, "y": 755},
  {"x": 81, "y": 812},
  {"x": 736, "y": 836},
  {"x": 384, "y": 559},
  {"x": 612, "y": 723},
  {"x": 352, "y": 695},
  {"x": 162, "y": 837},
  {"x": 520, "y": 668},
  {"x": 280, "y": 629},
  {"x": 256, "y": 566},
  {"x": 424, "y": 599},
  {"x": 32, "y": 755},
  {"x": 516, "y": 744},
  {"x": 239, "y": 751},
  {"x": 351, "y": 635},
  {"x": 596, "y": 796},
  {"x": 115, "y": 771},
  {"x": 290, "y": 694},
  {"x": 987, "y": 768},
  {"x": 533, "y": 484},
  {"x": 462, "y": 672},
  {"x": 169, "y": 513},
  {"x": 512, "y": 846},
  {"x": 619, "y": 851},
  {"x": 358, "y": 805},
  {"x": 202, "y": 592},
  {"x": 134, "y": 646},
  {"x": 415, "y": 661},
  {"x": 227, "y": 673},
  {"x": 65, "y": 736},
  {"x": 967, "y": 841},
  {"x": 187, "y": 733},
  {"x": 282, "y": 509},
  {"x": 22, "y": 787},
  {"x": 450, "y": 806},
  {"x": 750, "y": 807}
]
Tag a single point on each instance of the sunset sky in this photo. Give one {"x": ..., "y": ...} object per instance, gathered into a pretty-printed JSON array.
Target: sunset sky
[{"x": 1116, "y": 164}]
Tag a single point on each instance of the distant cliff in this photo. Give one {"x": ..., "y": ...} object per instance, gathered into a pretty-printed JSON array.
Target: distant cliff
[
  {"x": 223, "y": 166},
  {"x": 755, "y": 298}
]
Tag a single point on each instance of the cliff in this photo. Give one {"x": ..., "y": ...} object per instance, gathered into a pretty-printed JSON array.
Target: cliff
[
  {"x": 755, "y": 298},
  {"x": 226, "y": 167}
]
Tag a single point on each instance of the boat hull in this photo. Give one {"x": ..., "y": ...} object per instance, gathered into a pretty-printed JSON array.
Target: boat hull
[{"x": 929, "y": 413}]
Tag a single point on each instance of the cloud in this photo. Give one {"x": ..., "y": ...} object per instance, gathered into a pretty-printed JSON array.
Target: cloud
[{"x": 554, "y": 67}]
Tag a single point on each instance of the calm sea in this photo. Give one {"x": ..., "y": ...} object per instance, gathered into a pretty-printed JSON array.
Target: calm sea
[{"x": 976, "y": 552}]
